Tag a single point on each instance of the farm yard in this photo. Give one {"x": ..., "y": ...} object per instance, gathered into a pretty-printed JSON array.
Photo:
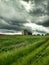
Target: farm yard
[{"x": 24, "y": 50}]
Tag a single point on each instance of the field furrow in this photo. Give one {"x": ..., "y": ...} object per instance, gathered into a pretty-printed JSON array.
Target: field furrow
[
  {"x": 43, "y": 58},
  {"x": 26, "y": 60},
  {"x": 24, "y": 50},
  {"x": 15, "y": 54}
]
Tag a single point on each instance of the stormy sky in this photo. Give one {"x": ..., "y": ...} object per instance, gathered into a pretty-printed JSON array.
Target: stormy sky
[{"x": 16, "y": 15}]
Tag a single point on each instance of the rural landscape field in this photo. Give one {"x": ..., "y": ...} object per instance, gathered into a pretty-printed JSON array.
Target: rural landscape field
[{"x": 24, "y": 50}]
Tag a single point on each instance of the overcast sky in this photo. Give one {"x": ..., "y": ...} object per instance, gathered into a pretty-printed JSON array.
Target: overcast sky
[{"x": 15, "y": 15}]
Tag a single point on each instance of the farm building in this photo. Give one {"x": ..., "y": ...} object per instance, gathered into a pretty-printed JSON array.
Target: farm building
[{"x": 27, "y": 32}]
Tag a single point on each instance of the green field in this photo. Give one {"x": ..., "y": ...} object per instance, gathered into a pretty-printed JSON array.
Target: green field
[{"x": 24, "y": 50}]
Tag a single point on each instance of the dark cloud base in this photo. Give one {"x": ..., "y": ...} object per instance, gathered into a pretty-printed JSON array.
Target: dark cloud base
[{"x": 44, "y": 23}]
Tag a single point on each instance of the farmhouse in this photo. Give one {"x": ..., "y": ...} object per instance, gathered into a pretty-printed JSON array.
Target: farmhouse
[{"x": 27, "y": 32}]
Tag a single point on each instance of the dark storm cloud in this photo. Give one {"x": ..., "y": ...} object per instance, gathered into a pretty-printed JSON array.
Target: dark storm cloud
[
  {"x": 11, "y": 27},
  {"x": 14, "y": 15},
  {"x": 48, "y": 8},
  {"x": 37, "y": 12},
  {"x": 13, "y": 21},
  {"x": 13, "y": 11},
  {"x": 11, "y": 24},
  {"x": 45, "y": 23},
  {"x": 38, "y": 1},
  {"x": 26, "y": 0},
  {"x": 41, "y": 7}
]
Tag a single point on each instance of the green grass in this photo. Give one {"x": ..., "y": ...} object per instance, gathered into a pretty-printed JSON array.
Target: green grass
[{"x": 24, "y": 50}]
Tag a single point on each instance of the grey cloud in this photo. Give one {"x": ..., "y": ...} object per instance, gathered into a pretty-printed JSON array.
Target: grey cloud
[
  {"x": 12, "y": 27},
  {"x": 37, "y": 12},
  {"x": 12, "y": 11},
  {"x": 41, "y": 7},
  {"x": 26, "y": 0},
  {"x": 45, "y": 23},
  {"x": 13, "y": 15},
  {"x": 7, "y": 31}
]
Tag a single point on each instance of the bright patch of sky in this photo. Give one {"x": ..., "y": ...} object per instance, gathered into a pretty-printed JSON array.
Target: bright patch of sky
[
  {"x": 27, "y": 5},
  {"x": 34, "y": 26},
  {"x": 18, "y": 33}
]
